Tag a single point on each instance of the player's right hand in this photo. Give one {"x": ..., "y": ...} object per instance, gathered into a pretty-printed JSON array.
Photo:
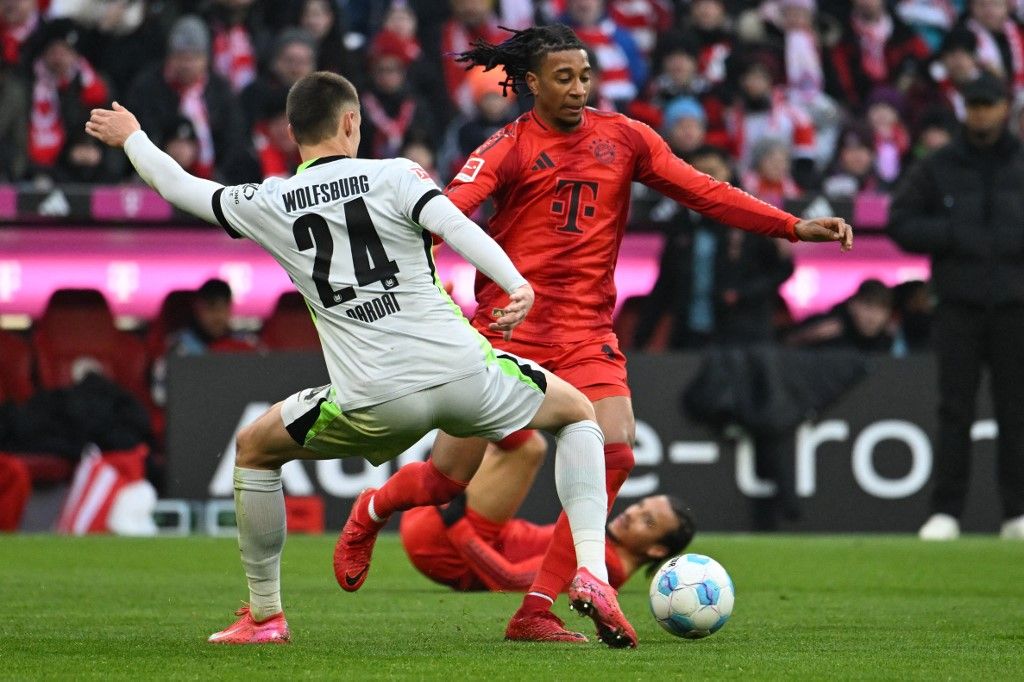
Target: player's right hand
[
  {"x": 826, "y": 230},
  {"x": 112, "y": 126},
  {"x": 511, "y": 316}
]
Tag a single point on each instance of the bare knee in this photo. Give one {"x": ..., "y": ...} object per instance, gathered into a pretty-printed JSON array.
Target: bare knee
[
  {"x": 534, "y": 450},
  {"x": 620, "y": 431},
  {"x": 245, "y": 448},
  {"x": 250, "y": 455},
  {"x": 580, "y": 409},
  {"x": 615, "y": 415}
]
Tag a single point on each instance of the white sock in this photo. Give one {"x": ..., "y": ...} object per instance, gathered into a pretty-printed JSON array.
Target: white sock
[
  {"x": 373, "y": 512},
  {"x": 579, "y": 479},
  {"x": 542, "y": 596},
  {"x": 259, "y": 513}
]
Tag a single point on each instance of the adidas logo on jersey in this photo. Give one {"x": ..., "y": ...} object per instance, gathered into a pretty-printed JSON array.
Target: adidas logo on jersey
[{"x": 543, "y": 161}]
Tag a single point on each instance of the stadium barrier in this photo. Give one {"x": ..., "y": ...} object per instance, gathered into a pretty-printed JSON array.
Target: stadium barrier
[
  {"x": 137, "y": 204},
  {"x": 864, "y": 464}
]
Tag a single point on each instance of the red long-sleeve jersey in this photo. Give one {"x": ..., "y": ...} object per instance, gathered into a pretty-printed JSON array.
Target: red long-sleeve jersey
[
  {"x": 510, "y": 564},
  {"x": 561, "y": 203}
]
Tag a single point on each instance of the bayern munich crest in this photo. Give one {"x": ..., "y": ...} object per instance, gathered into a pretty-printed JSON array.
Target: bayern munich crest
[{"x": 604, "y": 150}]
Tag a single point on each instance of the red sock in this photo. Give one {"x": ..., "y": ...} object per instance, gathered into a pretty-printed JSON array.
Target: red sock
[
  {"x": 415, "y": 485},
  {"x": 559, "y": 564},
  {"x": 618, "y": 462}
]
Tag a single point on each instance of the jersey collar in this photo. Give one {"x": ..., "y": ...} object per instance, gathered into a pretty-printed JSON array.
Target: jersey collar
[
  {"x": 319, "y": 161},
  {"x": 554, "y": 132}
]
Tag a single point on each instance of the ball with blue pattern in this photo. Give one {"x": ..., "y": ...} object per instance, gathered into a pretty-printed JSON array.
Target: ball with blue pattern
[{"x": 692, "y": 596}]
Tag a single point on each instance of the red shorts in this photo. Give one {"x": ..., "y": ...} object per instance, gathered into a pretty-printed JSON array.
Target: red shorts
[{"x": 596, "y": 366}]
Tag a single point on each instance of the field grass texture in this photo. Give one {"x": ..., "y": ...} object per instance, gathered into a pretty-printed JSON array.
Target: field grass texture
[{"x": 807, "y": 607}]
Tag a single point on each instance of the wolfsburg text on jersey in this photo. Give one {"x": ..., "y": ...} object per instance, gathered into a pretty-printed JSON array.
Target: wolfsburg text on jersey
[{"x": 314, "y": 195}]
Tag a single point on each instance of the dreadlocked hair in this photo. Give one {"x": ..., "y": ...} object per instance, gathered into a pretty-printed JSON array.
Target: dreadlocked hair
[{"x": 521, "y": 53}]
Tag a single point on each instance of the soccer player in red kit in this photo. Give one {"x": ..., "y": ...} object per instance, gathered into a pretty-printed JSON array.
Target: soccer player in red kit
[
  {"x": 560, "y": 179},
  {"x": 477, "y": 543}
]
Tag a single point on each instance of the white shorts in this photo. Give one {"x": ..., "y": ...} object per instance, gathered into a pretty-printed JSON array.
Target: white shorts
[{"x": 494, "y": 402}]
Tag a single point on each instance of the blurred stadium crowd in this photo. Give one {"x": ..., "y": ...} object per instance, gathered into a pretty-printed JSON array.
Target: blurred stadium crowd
[{"x": 837, "y": 96}]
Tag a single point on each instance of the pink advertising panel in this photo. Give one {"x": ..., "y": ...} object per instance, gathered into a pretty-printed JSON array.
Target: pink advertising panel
[{"x": 136, "y": 268}]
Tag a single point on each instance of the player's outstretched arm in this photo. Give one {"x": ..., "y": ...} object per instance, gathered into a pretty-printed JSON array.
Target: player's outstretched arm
[
  {"x": 663, "y": 171},
  {"x": 444, "y": 219},
  {"x": 118, "y": 127},
  {"x": 490, "y": 567}
]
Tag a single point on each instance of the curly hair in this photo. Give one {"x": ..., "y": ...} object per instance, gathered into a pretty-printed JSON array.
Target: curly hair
[{"x": 521, "y": 53}]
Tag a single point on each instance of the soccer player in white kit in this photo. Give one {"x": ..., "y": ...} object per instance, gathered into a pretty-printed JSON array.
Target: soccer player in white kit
[{"x": 354, "y": 236}]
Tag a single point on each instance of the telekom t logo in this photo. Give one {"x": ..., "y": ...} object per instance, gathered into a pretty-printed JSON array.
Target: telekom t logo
[{"x": 578, "y": 202}]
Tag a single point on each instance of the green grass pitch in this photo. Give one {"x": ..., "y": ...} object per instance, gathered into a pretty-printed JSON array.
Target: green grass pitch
[{"x": 855, "y": 607}]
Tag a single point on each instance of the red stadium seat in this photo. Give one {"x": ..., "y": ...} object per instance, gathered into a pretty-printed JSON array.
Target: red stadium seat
[
  {"x": 15, "y": 368},
  {"x": 290, "y": 326},
  {"x": 78, "y": 325},
  {"x": 175, "y": 313}
]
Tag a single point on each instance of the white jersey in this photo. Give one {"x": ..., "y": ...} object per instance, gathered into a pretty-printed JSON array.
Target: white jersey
[{"x": 346, "y": 231}]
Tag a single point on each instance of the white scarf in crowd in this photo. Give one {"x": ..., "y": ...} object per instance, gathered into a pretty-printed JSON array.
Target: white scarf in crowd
[
  {"x": 803, "y": 65},
  {"x": 988, "y": 50}
]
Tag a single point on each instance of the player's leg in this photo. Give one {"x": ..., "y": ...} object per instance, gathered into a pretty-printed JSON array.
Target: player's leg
[
  {"x": 261, "y": 449},
  {"x": 436, "y": 481},
  {"x": 505, "y": 476},
  {"x": 579, "y": 479},
  {"x": 615, "y": 415},
  {"x": 447, "y": 472},
  {"x": 599, "y": 370},
  {"x": 579, "y": 469}
]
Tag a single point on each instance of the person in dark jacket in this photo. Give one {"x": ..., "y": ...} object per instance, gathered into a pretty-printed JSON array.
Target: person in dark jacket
[
  {"x": 183, "y": 85},
  {"x": 716, "y": 284},
  {"x": 877, "y": 49},
  {"x": 864, "y": 322},
  {"x": 963, "y": 205}
]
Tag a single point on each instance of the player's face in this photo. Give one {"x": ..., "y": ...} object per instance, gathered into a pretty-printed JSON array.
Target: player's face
[
  {"x": 561, "y": 87},
  {"x": 642, "y": 525},
  {"x": 214, "y": 317},
  {"x": 987, "y": 118}
]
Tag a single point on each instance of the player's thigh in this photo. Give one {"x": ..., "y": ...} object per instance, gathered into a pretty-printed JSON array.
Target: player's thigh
[
  {"x": 563, "y": 404},
  {"x": 504, "y": 478},
  {"x": 491, "y": 403},
  {"x": 457, "y": 458},
  {"x": 266, "y": 443},
  {"x": 615, "y": 416},
  {"x": 377, "y": 433}
]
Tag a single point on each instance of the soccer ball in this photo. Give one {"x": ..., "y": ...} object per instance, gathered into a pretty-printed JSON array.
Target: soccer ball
[{"x": 692, "y": 596}]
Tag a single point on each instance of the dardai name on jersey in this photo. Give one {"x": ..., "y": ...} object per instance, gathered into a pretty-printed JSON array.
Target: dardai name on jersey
[
  {"x": 375, "y": 308},
  {"x": 321, "y": 193}
]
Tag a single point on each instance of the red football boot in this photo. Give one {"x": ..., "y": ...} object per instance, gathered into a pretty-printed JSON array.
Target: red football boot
[
  {"x": 245, "y": 630},
  {"x": 354, "y": 548},
  {"x": 540, "y": 626},
  {"x": 595, "y": 598}
]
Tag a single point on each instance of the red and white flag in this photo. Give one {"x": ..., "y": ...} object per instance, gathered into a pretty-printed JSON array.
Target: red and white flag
[{"x": 98, "y": 481}]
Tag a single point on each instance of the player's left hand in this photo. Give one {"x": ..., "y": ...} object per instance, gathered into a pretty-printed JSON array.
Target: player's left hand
[
  {"x": 511, "y": 316},
  {"x": 112, "y": 126},
  {"x": 826, "y": 230}
]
